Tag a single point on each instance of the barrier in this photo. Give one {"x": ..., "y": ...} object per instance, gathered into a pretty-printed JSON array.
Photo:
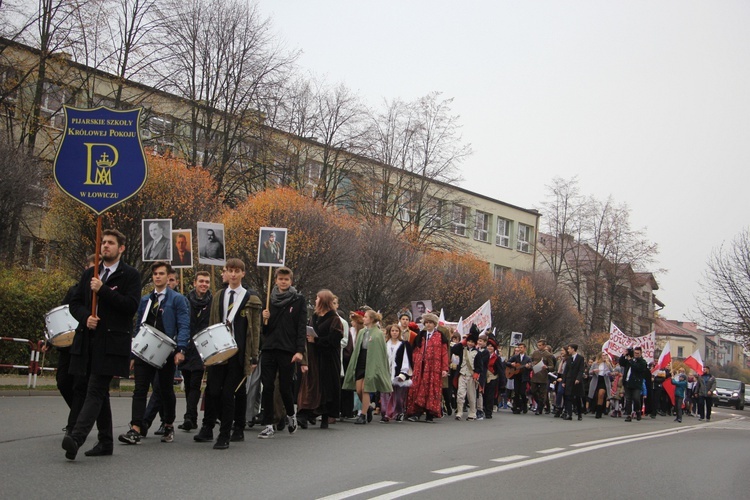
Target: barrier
[{"x": 33, "y": 366}]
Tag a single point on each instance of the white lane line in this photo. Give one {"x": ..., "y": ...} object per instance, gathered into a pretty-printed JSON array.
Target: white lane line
[
  {"x": 609, "y": 440},
  {"x": 453, "y": 470},
  {"x": 551, "y": 450},
  {"x": 517, "y": 465},
  {"x": 511, "y": 458},
  {"x": 359, "y": 491}
]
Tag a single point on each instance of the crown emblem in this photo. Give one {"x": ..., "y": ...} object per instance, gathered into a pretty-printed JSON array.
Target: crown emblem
[{"x": 104, "y": 161}]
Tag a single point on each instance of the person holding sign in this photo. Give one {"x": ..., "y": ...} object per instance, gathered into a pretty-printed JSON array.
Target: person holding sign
[
  {"x": 101, "y": 346},
  {"x": 284, "y": 337}
]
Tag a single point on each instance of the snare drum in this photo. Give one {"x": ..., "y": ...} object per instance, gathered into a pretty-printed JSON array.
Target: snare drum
[
  {"x": 61, "y": 326},
  {"x": 152, "y": 346},
  {"x": 215, "y": 344}
]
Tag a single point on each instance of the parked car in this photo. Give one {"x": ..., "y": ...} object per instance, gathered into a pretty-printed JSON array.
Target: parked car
[{"x": 730, "y": 392}]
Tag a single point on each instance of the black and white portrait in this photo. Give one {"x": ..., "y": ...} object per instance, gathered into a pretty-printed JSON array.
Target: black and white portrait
[
  {"x": 418, "y": 308},
  {"x": 516, "y": 338},
  {"x": 271, "y": 246},
  {"x": 156, "y": 239},
  {"x": 211, "y": 242}
]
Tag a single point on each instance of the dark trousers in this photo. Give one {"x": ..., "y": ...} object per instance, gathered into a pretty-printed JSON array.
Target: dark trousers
[
  {"x": 154, "y": 406},
  {"x": 678, "y": 406},
  {"x": 570, "y": 401},
  {"x": 539, "y": 391},
  {"x": 704, "y": 406},
  {"x": 65, "y": 381},
  {"x": 490, "y": 396},
  {"x": 144, "y": 375},
  {"x": 221, "y": 384},
  {"x": 519, "y": 396},
  {"x": 240, "y": 406},
  {"x": 632, "y": 401},
  {"x": 91, "y": 405},
  {"x": 276, "y": 362},
  {"x": 192, "y": 380}
]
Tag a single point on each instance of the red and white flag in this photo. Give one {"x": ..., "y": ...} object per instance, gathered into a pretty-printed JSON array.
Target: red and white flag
[
  {"x": 441, "y": 319},
  {"x": 695, "y": 362},
  {"x": 664, "y": 359},
  {"x": 668, "y": 387}
]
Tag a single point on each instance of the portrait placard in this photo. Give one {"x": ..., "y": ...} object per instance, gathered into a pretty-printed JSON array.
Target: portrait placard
[
  {"x": 156, "y": 240},
  {"x": 211, "y": 244},
  {"x": 272, "y": 246},
  {"x": 419, "y": 308},
  {"x": 182, "y": 248}
]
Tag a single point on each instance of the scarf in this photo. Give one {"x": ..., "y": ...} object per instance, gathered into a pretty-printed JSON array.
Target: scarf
[
  {"x": 196, "y": 303},
  {"x": 279, "y": 299}
]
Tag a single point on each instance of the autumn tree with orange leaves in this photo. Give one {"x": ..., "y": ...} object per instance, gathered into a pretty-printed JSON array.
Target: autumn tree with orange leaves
[{"x": 172, "y": 191}]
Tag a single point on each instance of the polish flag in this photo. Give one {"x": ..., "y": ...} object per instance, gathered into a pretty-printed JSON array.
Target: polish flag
[
  {"x": 460, "y": 326},
  {"x": 441, "y": 319},
  {"x": 664, "y": 360},
  {"x": 695, "y": 362},
  {"x": 668, "y": 387}
]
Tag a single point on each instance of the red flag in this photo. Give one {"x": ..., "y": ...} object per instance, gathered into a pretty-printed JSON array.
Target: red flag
[
  {"x": 695, "y": 362},
  {"x": 664, "y": 359},
  {"x": 668, "y": 387}
]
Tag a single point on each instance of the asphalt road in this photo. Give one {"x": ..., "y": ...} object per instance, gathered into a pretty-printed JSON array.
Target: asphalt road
[{"x": 508, "y": 456}]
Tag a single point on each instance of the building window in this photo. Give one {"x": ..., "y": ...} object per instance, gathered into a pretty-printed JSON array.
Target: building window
[
  {"x": 502, "y": 235},
  {"x": 53, "y": 98},
  {"x": 680, "y": 352},
  {"x": 482, "y": 226},
  {"x": 499, "y": 272},
  {"x": 312, "y": 177},
  {"x": 377, "y": 201},
  {"x": 458, "y": 221},
  {"x": 523, "y": 244},
  {"x": 434, "y": 213},
  {"x": 405, "y": 206}
]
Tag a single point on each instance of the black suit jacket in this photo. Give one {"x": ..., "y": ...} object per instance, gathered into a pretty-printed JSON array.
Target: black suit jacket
[
  {"x": 108, "y": 346},
  {"x": 574, "y": 371}
]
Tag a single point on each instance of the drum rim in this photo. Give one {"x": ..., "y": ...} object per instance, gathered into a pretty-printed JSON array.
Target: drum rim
[{"x": 221, "y": 351}]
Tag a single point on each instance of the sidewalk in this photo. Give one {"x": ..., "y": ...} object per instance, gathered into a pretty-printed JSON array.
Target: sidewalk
[{"x": 16, "y": 385}]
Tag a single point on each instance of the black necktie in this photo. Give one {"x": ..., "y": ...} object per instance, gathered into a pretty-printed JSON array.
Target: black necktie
[
  {"x": 231, "y": 302},
  {"x": 155, "y": 302},
  {"x": 105, "y": 275}
]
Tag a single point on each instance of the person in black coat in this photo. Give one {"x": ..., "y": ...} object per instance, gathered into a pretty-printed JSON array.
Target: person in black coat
[
  {"x": 101, "y": 346},
  {"x": 521, "y": 364},
  {"x": 330, "y": 331},
  {"x": 573, "y": 381}
]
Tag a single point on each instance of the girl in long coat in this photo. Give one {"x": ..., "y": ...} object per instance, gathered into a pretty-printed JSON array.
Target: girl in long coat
[
  {"x": 430, "y": 367},
  {"x": 600, "y": 383},
  {"x": 369, "y": 370}
]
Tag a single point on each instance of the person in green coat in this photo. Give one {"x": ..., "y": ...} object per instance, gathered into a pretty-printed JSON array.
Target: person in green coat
[{"x": 371, "y": 371}]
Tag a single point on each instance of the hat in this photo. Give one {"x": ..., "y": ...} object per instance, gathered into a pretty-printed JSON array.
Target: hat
[
  {"x": 430, "y": 317},
  {"x": 492, "y": 342}
]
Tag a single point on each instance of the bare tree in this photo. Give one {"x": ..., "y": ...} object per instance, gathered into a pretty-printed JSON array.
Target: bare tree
[
  {"x": 21, "y": 177},
  {"x": 724, "y": 299}
]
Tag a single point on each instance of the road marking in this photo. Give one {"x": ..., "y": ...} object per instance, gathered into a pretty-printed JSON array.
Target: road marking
[
  {"x": 417, "y": 488},
  {"x": 551, "y": 450},
  {"x": 511, "y": 458},
  {"x": 359, "y": 491},
  {"x": 453, "y": 470}
]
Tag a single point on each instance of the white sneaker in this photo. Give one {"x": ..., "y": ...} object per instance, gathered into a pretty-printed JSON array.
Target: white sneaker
[
  {"x": 291, "y": 423},
  {"x": 266, "y": 433}
]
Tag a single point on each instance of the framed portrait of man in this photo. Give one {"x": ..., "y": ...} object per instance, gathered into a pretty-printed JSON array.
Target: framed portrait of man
[
  {"x": 418, "y": 308},
  {"x": 182, "y": 248},
  {"x": 156, "y": 239},
  {"x": 516, "y": 338},
  {"x": 271, "y": 246},
  {"x": 211, "y": 244}
]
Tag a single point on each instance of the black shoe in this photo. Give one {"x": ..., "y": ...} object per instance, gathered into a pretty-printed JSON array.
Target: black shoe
[
  {"x": 130, "y": 437},
  {"x": 160, "y": 430},
  {"x": 580, "y": 417},
  {"x": 205, "y": 435},
  {"x": 567, "y": 417},
  {"x": 638, "y": 417},
  {"x": 237, "y": 436},
  {"x": 99, "y": 451},
  {"x": 546, "y": 411},
  {"x": 628, "y": 419},
  {"x": 557, "y": 414},
  {"x": 429, "y": 419},
  {"x": 324, "y": 422},
  {"x": 302, "y": 423},
  {"x": 187, "y": 425},
  {"x": 369, "y": 415},
  {"x": 311, "y": 419},
  {"x": 222, "y": 443},
  {"x": 361, "y": 419},
  {"x": 70, "y": 446}
]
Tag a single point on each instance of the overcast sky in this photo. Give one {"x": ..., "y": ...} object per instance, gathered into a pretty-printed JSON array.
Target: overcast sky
[{"x": 646, "y": 101}]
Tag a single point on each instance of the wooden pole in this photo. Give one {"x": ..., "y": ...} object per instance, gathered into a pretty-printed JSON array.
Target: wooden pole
[
  {"x": 182, "y": 285},
  {"x": 97, "y": 251},
  {"x": 268, "y": 295}
]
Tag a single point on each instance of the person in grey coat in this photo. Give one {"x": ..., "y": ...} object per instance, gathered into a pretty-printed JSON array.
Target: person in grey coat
[{"x": 706, "y": 389}]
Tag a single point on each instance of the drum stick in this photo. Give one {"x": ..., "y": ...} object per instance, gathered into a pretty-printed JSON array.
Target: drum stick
[
  {"x": 241, "y": 382},
  {"x": 268, "y": 296}
]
